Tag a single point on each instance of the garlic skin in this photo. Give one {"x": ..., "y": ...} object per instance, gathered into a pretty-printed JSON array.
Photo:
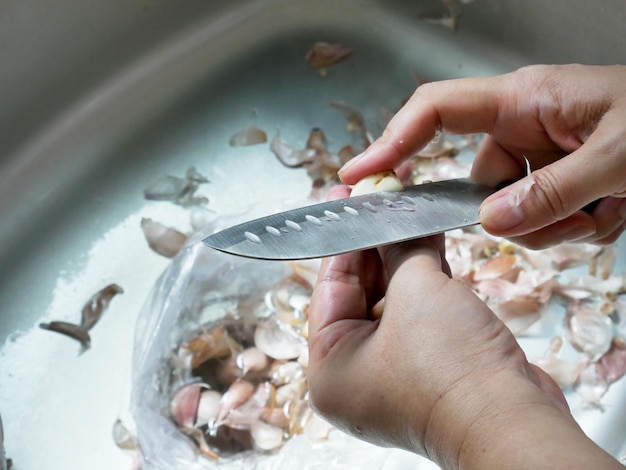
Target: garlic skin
[
  {"x": 378, "y": 182},
  {"x": 164, "y": 240}
]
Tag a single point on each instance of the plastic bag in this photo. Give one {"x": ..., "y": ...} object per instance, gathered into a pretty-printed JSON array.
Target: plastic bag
[{"x": 196, "y": 290}]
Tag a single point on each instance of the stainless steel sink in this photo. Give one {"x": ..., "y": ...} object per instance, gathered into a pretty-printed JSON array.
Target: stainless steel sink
[{"x": 101, "y": 98}]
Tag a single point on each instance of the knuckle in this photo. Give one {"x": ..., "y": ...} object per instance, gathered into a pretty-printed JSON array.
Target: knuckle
[{"x": 548, "y": 197}]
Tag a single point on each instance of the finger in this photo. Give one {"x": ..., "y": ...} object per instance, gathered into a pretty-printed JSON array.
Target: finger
[
  {"x": 460, "y": 106},
  {"x": 494, "y": 165},
  {"x": 556, "y": 191},
  {"x": 414, "y": 258},
  {"x": 611, "y": 237},
  {"x": 341, "y": 292},
  {"x": 609, "y": 216},
  {"x": 574, "y": 228}
]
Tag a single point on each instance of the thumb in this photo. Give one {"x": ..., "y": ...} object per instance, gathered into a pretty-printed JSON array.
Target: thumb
[{"x": 556, "y": 191}]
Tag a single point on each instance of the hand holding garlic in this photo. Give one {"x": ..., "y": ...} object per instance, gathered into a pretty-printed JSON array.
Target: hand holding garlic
[
  {"x": 437, "y": 374},
  {"x": 567, "y": 120}
]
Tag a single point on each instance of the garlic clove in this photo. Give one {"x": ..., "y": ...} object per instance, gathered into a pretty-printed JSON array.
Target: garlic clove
[
  {"x": 238, "y": 393},
  {"x": 184, "y": 404},
  {"x": 208, "y": 407},
  {"x": 316, "y": 428},
  {"x": 252, "y": 360},
  {"x": 266, "y": 437},
  {"x": 382, "y": 181},
  {"x": 277, "y": 340}
]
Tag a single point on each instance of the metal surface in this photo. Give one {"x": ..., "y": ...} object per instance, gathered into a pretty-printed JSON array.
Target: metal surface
[
  {"x": 100, "y": 98},
  {"x": 357, "y": 223}
]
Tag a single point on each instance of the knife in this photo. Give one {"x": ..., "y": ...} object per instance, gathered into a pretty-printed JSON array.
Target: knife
[{"x": 356, "y": 223}]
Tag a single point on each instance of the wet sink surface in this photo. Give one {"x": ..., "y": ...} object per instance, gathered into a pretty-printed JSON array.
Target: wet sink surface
[{"x": 71, "y": 196}]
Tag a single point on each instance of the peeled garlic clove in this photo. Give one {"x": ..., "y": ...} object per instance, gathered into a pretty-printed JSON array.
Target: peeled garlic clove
[
  {"x": 316, "y": 428},
  {"x": 292, "y": 391},
  {"x": 383, "y": 181},
  {"x": 283, "y": 373},
  {"x": 165, "y": 241},
  {"x": 277, "y": 340},
  {"x": 238, "y": 393},
  {"x": 252, "y": 360},
  {"x": 208, "y": 407},
  {"x": 303, "y": 359},
  {"x": 265, "y": 436},
  {"x": 184, "y": 404}
]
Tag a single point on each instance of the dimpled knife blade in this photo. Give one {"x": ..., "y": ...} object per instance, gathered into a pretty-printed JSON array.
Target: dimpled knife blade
[{"x": 357, "y": 223}]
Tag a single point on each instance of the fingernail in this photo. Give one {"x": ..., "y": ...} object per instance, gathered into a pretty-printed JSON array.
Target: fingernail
[{"x": 501, "y": 213}]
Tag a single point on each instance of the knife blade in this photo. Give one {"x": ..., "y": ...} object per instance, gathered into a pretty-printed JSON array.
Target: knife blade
[{"x": 356, "y": 223}]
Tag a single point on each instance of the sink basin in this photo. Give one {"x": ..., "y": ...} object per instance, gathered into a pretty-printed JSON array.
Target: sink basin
[{"x": 100, "y": 99}]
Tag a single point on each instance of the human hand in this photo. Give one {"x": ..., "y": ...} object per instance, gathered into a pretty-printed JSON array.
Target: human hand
[
  {"x": 439, "y": 374},
  {"x": 568, "y": 121}
]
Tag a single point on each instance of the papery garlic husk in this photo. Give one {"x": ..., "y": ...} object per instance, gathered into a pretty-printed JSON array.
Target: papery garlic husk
[
  {"x": 323, "y": 54},
  {"x": 613, "y": 363},
  {"x": 290, "y": 301},
  {"x": 289, "y": 156},
  {"x": 517, "y": 314},
  {"x": 277, "y": 340},
  {"x": 163, "y": 240},
  {"x": 199, "y": 438},
  {"x": 381, "y": 181},
  {"x": 122, "y": 437},
  {"x": 496, "y": 267},
  {"x": 564, "y": 373},
  {"x": 215, "y": 343},
  {"x": 589, "y": 331},
  {"x": 248, "y": 136},
  {"x": 591, "y": 384},
  {"x": 184, "y": 404},
  {"x": 97, "y": 304},
  {"x": 266, "y": 437},
  {"x": 305, "y": 272},
  {"x": 354, "y": 118}
]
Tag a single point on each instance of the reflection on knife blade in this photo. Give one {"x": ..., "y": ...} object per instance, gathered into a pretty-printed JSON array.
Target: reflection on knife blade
[{"x": 356, "y": 223}]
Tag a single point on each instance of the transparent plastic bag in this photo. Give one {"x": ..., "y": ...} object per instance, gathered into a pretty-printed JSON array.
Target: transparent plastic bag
[{"x": 195, "y": 291}]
